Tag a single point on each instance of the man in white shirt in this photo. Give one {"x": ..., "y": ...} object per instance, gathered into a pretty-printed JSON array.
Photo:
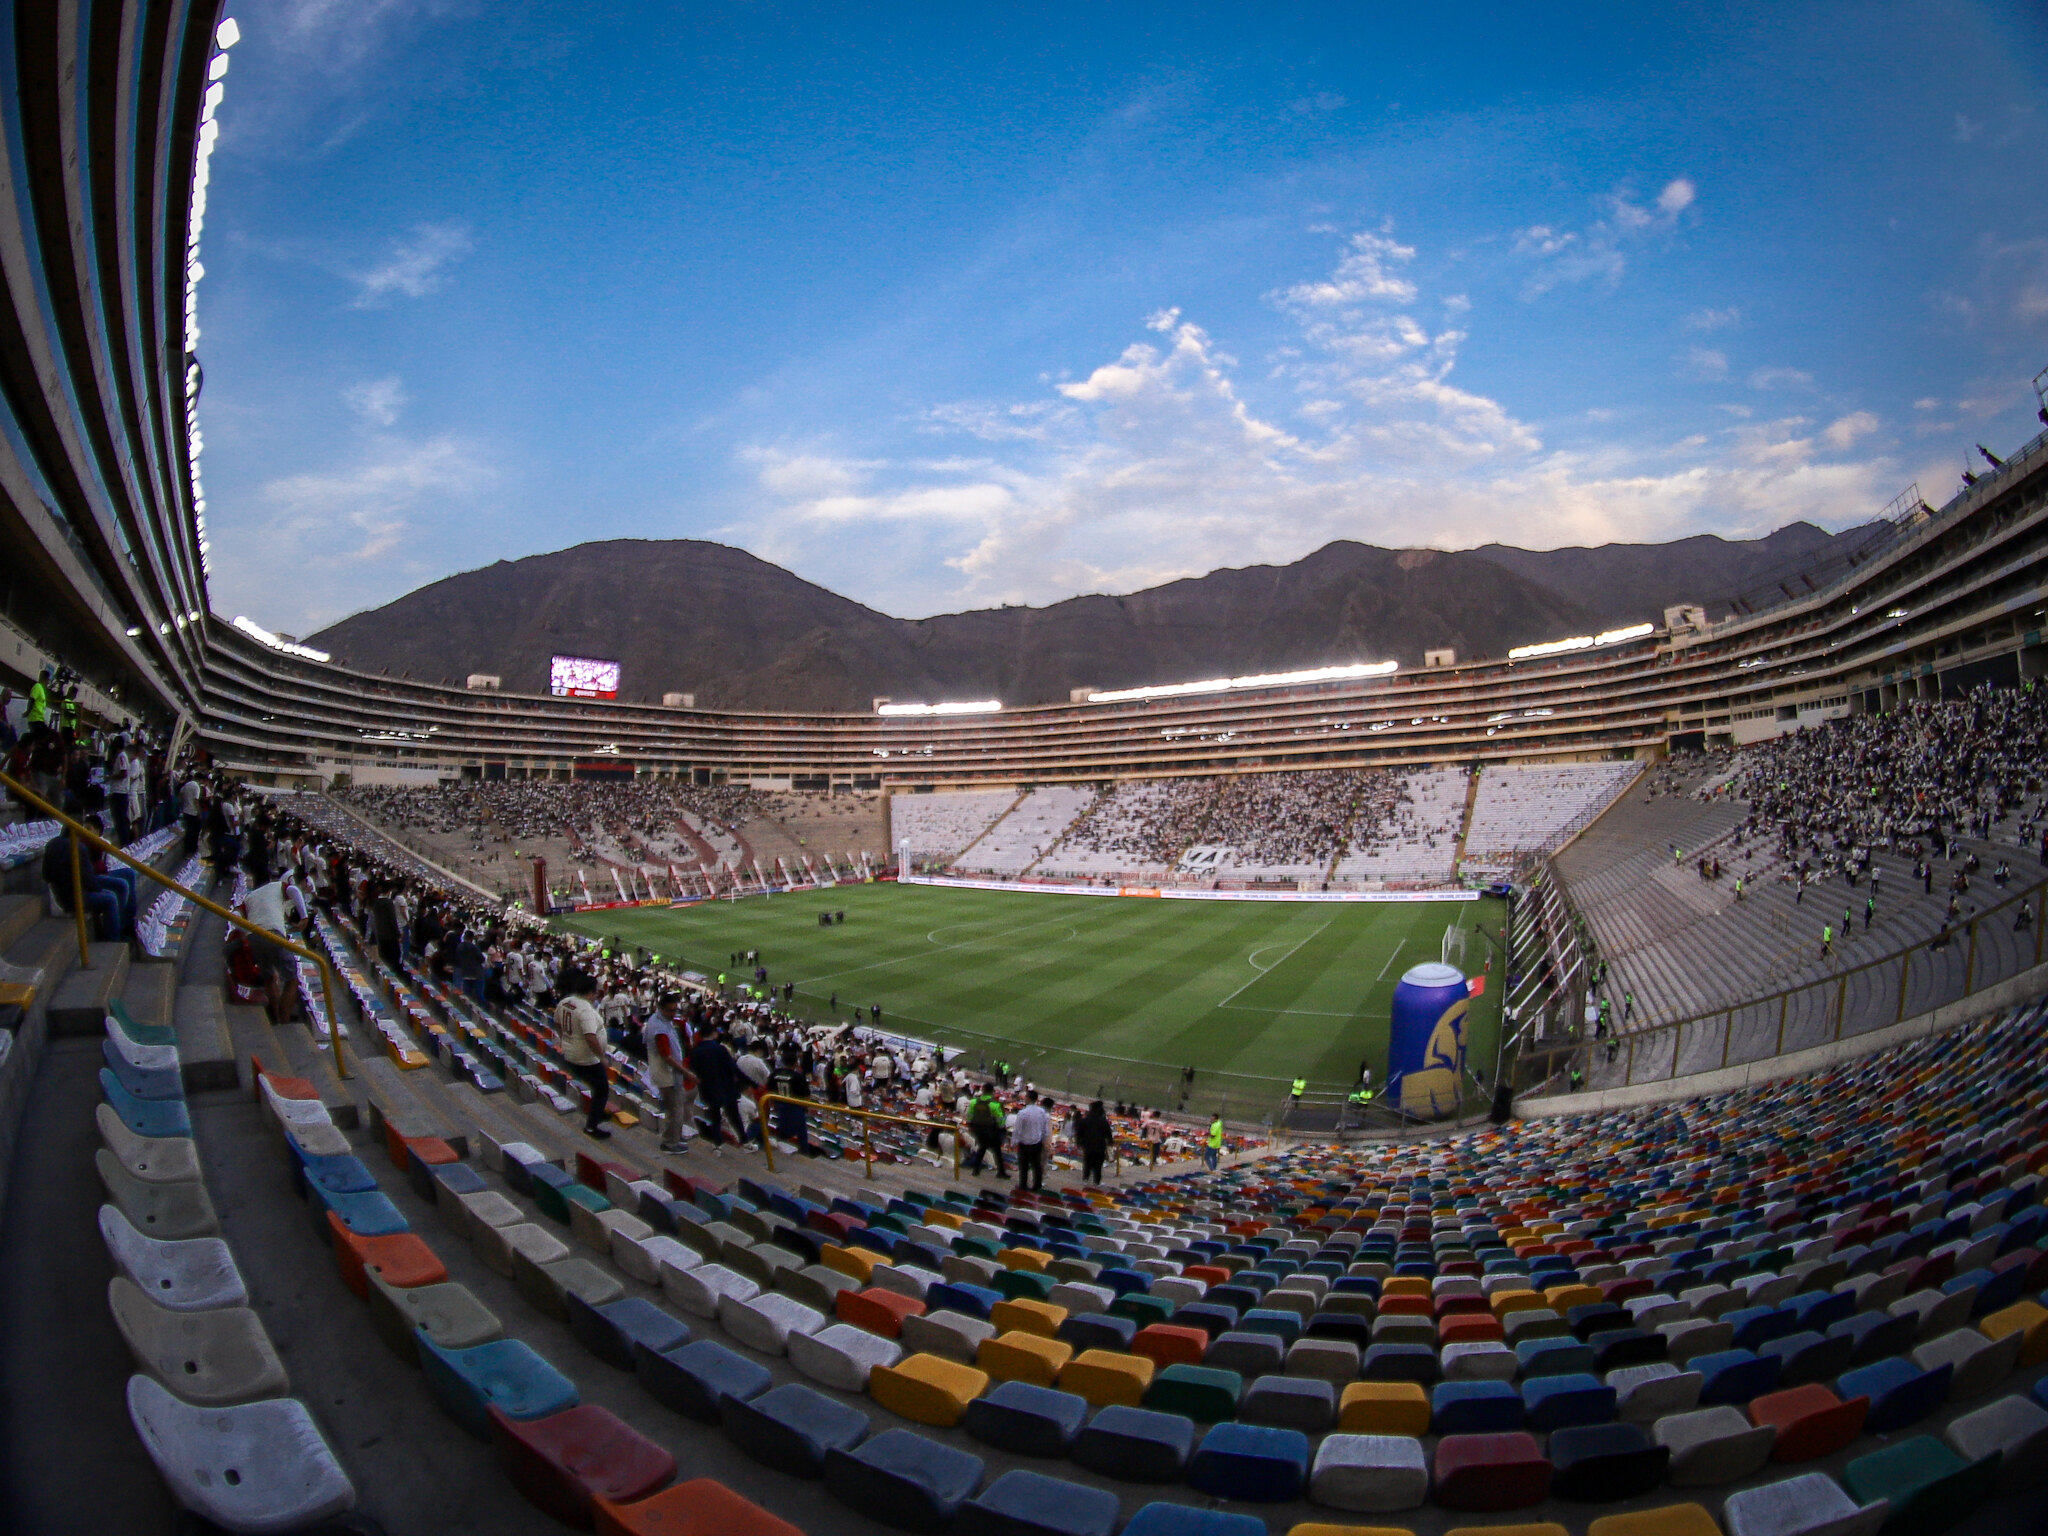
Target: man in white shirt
[
  {"x": 276, "y": 907},
  {"x": 665, "y": 1069},
  {"x": 1031, "y": 1128}
]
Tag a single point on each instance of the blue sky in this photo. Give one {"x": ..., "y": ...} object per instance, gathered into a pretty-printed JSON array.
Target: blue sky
[{"x": 943, "y": 306}]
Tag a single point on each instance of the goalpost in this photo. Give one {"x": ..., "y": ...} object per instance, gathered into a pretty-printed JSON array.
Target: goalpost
[{"x": 1454, "y": 946}]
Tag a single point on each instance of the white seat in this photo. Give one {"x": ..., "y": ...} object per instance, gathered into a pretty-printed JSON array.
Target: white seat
[
  {"x": 698, "y": 1291},
  {"x": 1695, "y": 1337},
  {"x": 1479, "y": 1362},
  {"x": 1713, "y": 1445},
  {"x": 1177, "y": 1289},
  {"x": 2014, "y": 1425},
  {"x": 319, "y": 1139},
  {"x": 474, "y": 1214},
  {"x": 905, "y": 1280},
  {"x": 1647, "y": 1392},
  {"x": 211, "y": 1358},
  {"x": 641, "y": 1257},
  {"x": 1373, "y": 1473},
  {"x": 153, "y": 1159},
  {"x": 1079, "y": 1297},
  {"x": 149, "y": 1058},
  {"x": 1938, "y": 1314},
  {"x": 1980, "y": 1363},
  {"x": 593, "y": 1229},
  {"x": 765, "y": 1321},
  {"x": 1810, "y": 1505},
  {"x": 842, "y": 1355},
  {"x": 499, "y": 1246},
  {"x": 259, "y": 1467},
  {"x": 193, "y": 1275},
  {"x": 951, "y": 1335}
]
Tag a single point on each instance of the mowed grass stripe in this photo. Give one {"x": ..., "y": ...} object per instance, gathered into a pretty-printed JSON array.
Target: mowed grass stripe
[{"x": 1145, "y": 980}]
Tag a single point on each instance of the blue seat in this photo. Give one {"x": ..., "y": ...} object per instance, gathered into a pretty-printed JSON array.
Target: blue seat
[
  {"x": 1615, "y": 1348},
  {"x": 1031, "y": 1504},
  {"x": 1251, "y": 1463},
  {"x": 368, "y": 1213},
  {"x": 519, "y": 1176},
  {"x": 1124, "y": 1281},
  {"x": 1809, "y": 1356},
  {"x": 456, "y": 1178},
  {"x": 1757, "y": 1326},
  {"x": 1282, "y": 1324},
  {"x": 2040, "y": 1393},
  {"x": 1558, "y": 1402},
  {"x": 145, "y": 1117},
  {"x": 696, "y": 1377},
  {"x": 1135, "y": 1445},
  {"x": 903, "y": 1480},
  {"x": 611, "y": 1331},
  {"x": 1818, "y": 1311},
  {"x": 1290, "y": 1402},
  {"x": 1734, "y": 1376},
  {"x": 153, "y": 1083},
  {"x": 1239, "y": 1298},
  {"x": 1401, "y": 1362},
  {"x": 1605, "y": 1462},
  {"x": 792, "y": 1428},
  {"x": 973, "y": 1300},
  {"x": 1025, "y": 1419},
  {"x": 1475, "y": 1407},
  {"x": 1900, "y": 1392},
  {"x": 1554, "y": 1357},
  {"x": 1877, "y": 1335},
  {"x": 503, "y": 1374},
  {"x": 1097, "y": 1330},
  {"x": 342, "y": 1173},
  {"x": 1995, "y": 1291}
]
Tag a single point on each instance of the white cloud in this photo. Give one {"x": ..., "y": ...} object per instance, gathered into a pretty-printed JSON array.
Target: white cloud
[
  {"x": 1967, "y": 128},
  {"x": 1602, "y": 249},
  {"x": 377, "y": 401},
  {"x": 1706, "y": 363},
  {"x": 1780, "y": 378},
  {"x": 1712, "y": 319},
  {"x": 1169, "y": 460},
  {"x": 416, "y": 265},
  {"x": 1927, "y": 404},
  {"x": 1843, "y": 432}
]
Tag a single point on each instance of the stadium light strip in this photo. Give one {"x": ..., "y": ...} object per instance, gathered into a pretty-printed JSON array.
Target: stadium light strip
[
  {"x": 1261, "y": 680},
  {"x": 983, "y": 707},
  {"x": 1581, "y": 642},
  {"x": 256, "y": 631}
]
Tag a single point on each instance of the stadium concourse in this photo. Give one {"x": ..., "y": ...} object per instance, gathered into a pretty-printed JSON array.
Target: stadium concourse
[{"x": 424, "y": 1295}]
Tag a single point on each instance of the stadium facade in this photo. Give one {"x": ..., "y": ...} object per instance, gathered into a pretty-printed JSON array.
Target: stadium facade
[{"x": 108, "y": 118}]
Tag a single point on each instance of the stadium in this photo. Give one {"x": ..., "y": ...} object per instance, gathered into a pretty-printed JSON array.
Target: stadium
[{"x": 1597, "y": 1089}]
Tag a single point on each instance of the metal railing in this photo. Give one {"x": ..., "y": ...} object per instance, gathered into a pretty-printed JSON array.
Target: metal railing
[
  {"x": 867, "y": 1117},
  {"x": 1993, "y": 946},
  {"x": 80, "y": 831}
]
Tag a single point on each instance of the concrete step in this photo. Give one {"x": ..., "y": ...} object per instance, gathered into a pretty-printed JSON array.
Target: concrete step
[
  {"x": 395, "y": 1102},
  {"x": 206, "y": 1049},
  {"x": 78, "y": 1003},
  {"x": 18, "y": 914},
  {"x": 290, "y": 1051}
]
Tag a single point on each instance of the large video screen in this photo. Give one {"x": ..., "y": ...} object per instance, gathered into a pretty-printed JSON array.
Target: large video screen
[{"x": 580, "y": 677}]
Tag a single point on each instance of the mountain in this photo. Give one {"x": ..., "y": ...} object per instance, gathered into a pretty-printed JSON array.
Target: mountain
[{"x": 684, "y": 615}]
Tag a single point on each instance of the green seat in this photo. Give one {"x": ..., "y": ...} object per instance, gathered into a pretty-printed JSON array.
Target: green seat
[
  {"x": 1930, "y": 1487},
  {"x": 1198, "y": 1392},
  {"x": 1141, "y": 1308},
  {"x": 141, "y": 1034},
  {"x": 1028, "y": 1284},
  {"x": 975, "y": 1247},
  {"x": 554, "y": 1200}
]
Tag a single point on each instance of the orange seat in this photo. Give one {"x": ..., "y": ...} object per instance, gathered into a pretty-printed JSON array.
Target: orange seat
[
  {"x": 566, "y": 1461},
  {"x": 700, "y": 1507},
  {"x": 1208, "y": 1274},
  {"x": 400, "y": 1259},
  {"x": 1405, "y": 1285},
  {"x": 1811, "y": 1421},
  {"x": 1165, "y": 1344},
  {"x": 1033, "y": 1259},
  {"x": 432, "y": 1149},
  {"x": 286, "y": 1087},
  {"x": 1406, "y": 1306},
  {"x": 877, "y": 1311},
  {"x": 1470, "y": 1328}
]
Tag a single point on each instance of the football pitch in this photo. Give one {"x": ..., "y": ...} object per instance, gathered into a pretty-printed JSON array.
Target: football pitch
[{"x": 1094, "y": 993}]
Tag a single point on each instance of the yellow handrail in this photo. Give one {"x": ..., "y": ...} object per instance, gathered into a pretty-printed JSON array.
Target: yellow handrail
[
  {"x": 79, "y": 830},
  {"x": 866, "y": 1116}
]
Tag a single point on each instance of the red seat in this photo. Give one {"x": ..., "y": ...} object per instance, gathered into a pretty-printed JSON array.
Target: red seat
[
  {"x": 1457, "y": 1306},
  {"x": 878, "y": 1311},
  {"x": 687, "y": 1186},
  {"x": 431, "y": 1149},
  {"x": 566, "y": 1461},
  {"x": 700, "y": 1507},
  {"x": 1811, "y": 1421},
  {"x": 1470, "y": 1328},
  {"x": 1165, "y": 1344},
  {"x": 1490, "y": 1472},
  {"x": 401, "y": 1259},
  {"x": 1618, "y": 1291},
  {"x": 1406, "y": 1306},
  {"x": 1208, "y": 1274},
  {"x": 836, "y": 1225}
]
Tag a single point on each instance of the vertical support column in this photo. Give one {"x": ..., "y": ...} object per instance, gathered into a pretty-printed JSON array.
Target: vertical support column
[
  {"x": 1905, "y": 972},
  {"x": 78, "y": 903}
]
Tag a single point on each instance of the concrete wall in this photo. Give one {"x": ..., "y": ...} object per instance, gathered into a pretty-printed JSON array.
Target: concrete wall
[{"x": 2023, "y": 988}]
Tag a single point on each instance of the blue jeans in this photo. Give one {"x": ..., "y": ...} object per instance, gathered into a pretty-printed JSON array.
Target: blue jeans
[
  {"x": 120, "y": 885},
  {"x": 1209, "y": 1156}
]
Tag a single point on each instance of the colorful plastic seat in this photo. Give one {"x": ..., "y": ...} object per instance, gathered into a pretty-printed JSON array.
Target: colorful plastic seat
[
  {"x": 565, "y": 1461},
  {"x": 505, "y": 1375},
  {"x": 1487, "y": 1473},
  {"x": 903, "y": 1479},
  {"x": 1251, "y": 1463}
]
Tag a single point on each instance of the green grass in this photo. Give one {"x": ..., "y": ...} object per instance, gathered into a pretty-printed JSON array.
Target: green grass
[{"x": 1095, "y": 991}]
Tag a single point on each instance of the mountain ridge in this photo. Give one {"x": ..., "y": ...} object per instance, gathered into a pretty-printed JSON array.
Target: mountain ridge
[{"x": 688, "y": 615}]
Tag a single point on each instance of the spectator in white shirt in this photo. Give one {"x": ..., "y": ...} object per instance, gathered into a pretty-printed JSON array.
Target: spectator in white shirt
[{"x": 1031, "y": 1130}]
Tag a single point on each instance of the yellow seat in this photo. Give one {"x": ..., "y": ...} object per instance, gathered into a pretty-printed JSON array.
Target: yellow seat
[
  {"x": 1671, "y": 1520},
  {"x": 950, "y": 1219},
  {"x": 1537, "y": 1528},
  {"x": 1383, "y": 1408},
  {"x": 858, "y": 1263},
  {"x": 1024, "y": 1258},
  {"x": 1018, "y": 1356},
  {"x": 1105, "y": 1378},
  {"x": 1563, "y": 1297},
  {"x": 1317, "y": 1528},
  {"x": 927, "y": 1389},
  {"x": 1027, "y": 1316},
  {"x": 1505, "y": 1302},
  {"x": 2027, "y": 1317},
  {"x": 1405, "y": 1285}
]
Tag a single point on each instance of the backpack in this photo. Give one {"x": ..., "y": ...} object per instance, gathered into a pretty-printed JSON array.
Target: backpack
[{"x": 982, "y": 1119}]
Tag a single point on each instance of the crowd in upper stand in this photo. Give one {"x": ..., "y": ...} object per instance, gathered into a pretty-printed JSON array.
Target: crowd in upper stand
[{"x": 534, "y": 808}]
